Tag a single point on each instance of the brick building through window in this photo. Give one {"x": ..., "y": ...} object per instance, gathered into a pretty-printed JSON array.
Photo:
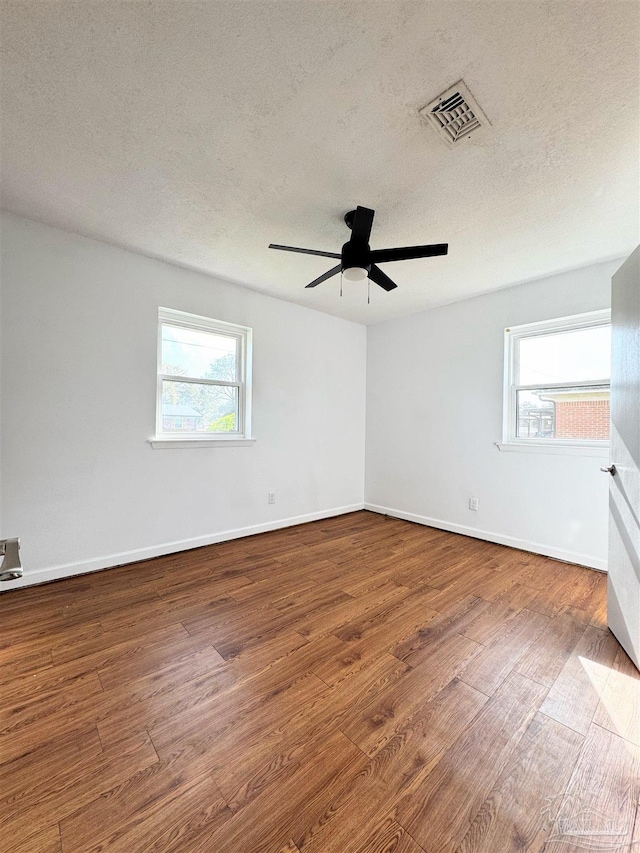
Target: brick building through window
[
  {"x": 582, "y": 414},
  {"x": 180, "y": 417}
]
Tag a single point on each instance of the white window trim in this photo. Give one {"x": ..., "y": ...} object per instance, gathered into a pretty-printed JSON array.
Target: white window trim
[
  {"x": 510, "y": 440},
  {"x": 180, "y": 439}
]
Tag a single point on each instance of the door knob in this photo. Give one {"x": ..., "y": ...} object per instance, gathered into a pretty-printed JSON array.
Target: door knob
[{"x": 610, "y": 469}]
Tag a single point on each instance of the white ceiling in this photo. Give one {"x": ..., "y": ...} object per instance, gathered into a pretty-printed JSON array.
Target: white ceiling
[{"x": 199, "y": 132}]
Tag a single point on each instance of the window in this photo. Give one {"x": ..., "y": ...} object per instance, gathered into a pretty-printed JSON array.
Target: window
[
  {"x": 204, "y": 378},
  {"x": 557, "y": 376}
]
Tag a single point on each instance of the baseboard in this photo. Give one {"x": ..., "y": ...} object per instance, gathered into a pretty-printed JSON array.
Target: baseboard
[
  {"x": 499, "y": 538},
  {"x": 122, "y": 558}
]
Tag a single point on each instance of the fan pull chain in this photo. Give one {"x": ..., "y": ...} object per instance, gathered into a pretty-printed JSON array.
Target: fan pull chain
[
  {"x": 368, "y": 291},
  {"x": 341, "y": 284}
]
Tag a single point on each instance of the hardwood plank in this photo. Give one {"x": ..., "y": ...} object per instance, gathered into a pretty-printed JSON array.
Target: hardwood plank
[
  {"x": 388, "y": 837},
  {"x": 503, "y": 585},
  {"x": 353, "y": 658},
  {"x": 454, "y": 791},
  {"x": 15, "y": 662},
  {"x": 206, "y": 745},
  {"x": 269, "y": 692},
  {"x": 574, "y": 589},
  {"x": 370, "y": 727},
  {"x": 542, "y": 573},
  {"x": 418, "y": 647},
  {"x": 242, "y": 630},
  {"x": 546, "y": 656},
  {"x": 65, "y": 684},
  {"x": 490, "y": 667},
  {"x": 141, "y": 660},
  {"x": 136, "y": 622},
  {"x": 517, "y": 597},
  {"x": 63, "y": 639},
  {"x": 42, "y": 682},
  {"x": 537, "y": 773},
  {"x": 50, "y": 799},
  {"x": 575, "y": 694},
  {"x": 47, "y": 841},
  {"x": 46, "y": 761},
  {"x": 36, "y": 712},
  {"x": 598, "y": 609},
  {"x": 493, "y": 618},
  {"x": 357, "y": 579},
  {"x": 289, "y": 847},
  {"x": 619, "y": 706},
  {"x": 174, "y": 690},
  {"x": 468, "y": 583},
  {"x": 373, "y": 635},
  {"x": 271, "y": 589},
  {"x": 344, "y": 613},
  {"x": 275, "y": 753},
  {"x": 97, "y": 603},
  {"x": 278, "y": 815},
  {"x": 26, "y": 637},
  {"x": 410, "y": 603},
  {"x": 395, "y": 770},
  {"x": 585, "y": 590},
  {"x": 601, "y": 799},
  {"x": 99, "y": 650},
  {"x": 445, "y": 566},
  {"x": 154, "y": 810}
]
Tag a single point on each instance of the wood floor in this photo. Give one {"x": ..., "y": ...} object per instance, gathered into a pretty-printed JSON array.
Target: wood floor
[{"x": 355, "y": 685}]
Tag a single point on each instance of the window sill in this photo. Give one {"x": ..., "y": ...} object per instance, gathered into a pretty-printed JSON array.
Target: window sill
[
  {"x": 601, "y": 451},
  {"x": 181, "y": 443}
]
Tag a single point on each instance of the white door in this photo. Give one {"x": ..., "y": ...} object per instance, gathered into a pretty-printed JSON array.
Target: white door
[{"x": 623, "y": 609}]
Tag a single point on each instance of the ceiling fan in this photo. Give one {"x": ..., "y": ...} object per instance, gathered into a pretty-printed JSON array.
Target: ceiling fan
[{"x": 358, "y": 261}]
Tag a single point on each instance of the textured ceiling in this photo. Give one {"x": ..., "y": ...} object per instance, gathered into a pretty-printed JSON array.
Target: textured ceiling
[{"x": 199, "y": 132}]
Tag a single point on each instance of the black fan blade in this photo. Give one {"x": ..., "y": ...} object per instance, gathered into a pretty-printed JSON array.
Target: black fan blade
[
  {"x": 304, "y": 251},
  {"x": 381, "y": 278},
  {"x": 324, "y": 277},
  {"x": 362, "y": 224},
  {"x": 406, "y": 253}
]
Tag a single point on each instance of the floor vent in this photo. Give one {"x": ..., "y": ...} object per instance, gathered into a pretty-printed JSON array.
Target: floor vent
[{"x": 455, "y": 115}]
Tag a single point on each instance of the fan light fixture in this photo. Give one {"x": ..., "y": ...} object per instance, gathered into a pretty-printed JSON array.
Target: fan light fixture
[{"x": 355, "y": 273}]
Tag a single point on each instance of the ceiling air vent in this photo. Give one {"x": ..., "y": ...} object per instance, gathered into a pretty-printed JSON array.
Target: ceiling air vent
[{"x": 455, "y": 115}]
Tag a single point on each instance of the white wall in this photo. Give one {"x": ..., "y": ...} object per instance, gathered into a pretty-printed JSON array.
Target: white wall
[
  {"x": 80, "y": 484},
  {"x": 434, "y": 413}
]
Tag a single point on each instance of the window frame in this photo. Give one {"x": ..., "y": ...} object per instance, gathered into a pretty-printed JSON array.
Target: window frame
[
  {"x": 512, "y": 337},
  {"x": 243, "y": 336}
]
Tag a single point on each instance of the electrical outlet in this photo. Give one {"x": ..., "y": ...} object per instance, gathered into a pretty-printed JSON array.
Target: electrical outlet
[
  {"x": 474, "y": 503},
  {"x": 272, "y": 497}
]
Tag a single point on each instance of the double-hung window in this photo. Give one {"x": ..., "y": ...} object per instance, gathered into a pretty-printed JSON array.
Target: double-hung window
[
  {"x": 557, "y": 376},
  {"x": 204, "y": 378}
]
